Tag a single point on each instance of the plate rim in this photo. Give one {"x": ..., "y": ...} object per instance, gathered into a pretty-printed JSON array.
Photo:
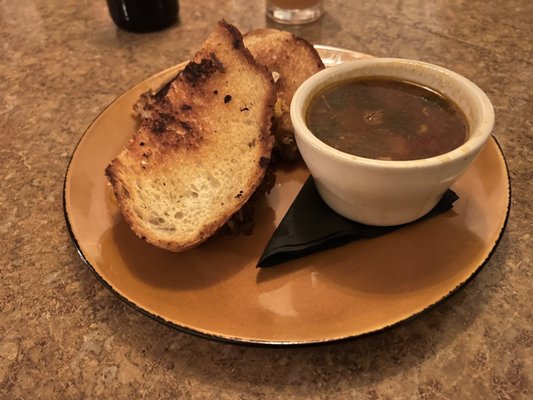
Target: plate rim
[{"x": 258, "y": 342}]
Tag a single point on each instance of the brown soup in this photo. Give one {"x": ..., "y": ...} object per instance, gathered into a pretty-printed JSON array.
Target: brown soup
[{"x": 386, "y": 119}]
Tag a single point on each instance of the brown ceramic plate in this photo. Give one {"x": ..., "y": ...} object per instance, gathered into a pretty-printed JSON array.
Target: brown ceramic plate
[{"x": 216, "y": 290}]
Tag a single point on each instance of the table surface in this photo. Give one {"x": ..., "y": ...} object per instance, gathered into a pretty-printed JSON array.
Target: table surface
[{"x": 63, "y": 335}]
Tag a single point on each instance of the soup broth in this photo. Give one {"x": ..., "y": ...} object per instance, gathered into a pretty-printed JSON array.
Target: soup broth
[{"x": 386, "y": 119}]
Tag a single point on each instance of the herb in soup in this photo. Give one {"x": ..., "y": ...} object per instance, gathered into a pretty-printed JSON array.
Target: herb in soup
[{"x": 386, "y": 119}]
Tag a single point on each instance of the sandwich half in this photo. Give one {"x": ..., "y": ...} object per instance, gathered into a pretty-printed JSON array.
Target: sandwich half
[{"x": 203, "y": 149}]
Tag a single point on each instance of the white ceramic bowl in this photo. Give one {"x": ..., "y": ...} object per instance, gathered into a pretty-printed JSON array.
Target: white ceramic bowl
[{"x": 377, "y": 192}]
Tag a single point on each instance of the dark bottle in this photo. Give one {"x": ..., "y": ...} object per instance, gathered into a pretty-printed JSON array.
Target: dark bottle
[{"x": 143, "y": 15}]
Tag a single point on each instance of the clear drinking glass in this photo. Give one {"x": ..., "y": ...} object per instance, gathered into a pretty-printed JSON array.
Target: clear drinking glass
[{"x": 294, "y": 11}]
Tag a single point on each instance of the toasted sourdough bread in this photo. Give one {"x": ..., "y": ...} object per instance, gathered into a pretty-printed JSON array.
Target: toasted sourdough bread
[
  {"x": 293, "y": 60},
  {"x": 202, "y": 152}
]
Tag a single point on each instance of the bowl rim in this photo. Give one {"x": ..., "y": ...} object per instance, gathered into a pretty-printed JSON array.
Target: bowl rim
[{"x": 328, "y": 76}]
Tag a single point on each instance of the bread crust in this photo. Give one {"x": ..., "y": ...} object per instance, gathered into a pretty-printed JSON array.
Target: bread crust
[{"x": 208, "y": 129}]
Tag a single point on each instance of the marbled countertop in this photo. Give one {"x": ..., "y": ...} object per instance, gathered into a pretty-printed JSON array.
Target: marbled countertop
[{"x": 63, "y": 335}]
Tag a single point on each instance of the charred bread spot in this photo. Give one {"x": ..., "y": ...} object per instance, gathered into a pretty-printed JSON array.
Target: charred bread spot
[
  {"x": 245, "y": 109},
  {"x": 215, "y": 91},
  {"x": 161, "y": 93},
  {"x": 170, "y": 132},
  {"x": 159, "y": 126},
  {"x": 186, "y": 107},
  {"x": 185, "y": 125},
  {"x": 161, "y": 121},
  {"x": 218, "y": 64},
  {"x": 141, "y": 144},
  {"x": 227, "y": 98},
  {"x": 193, "y": 72}
]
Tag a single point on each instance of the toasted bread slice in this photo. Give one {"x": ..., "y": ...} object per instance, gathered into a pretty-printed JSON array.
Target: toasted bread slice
[
  {"x": 292, "y": 60},
  {"x": 203, "y": 151}
]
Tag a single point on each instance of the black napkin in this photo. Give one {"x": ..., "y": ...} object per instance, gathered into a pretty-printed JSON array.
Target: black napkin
[{"x": 311, "y": 226}]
